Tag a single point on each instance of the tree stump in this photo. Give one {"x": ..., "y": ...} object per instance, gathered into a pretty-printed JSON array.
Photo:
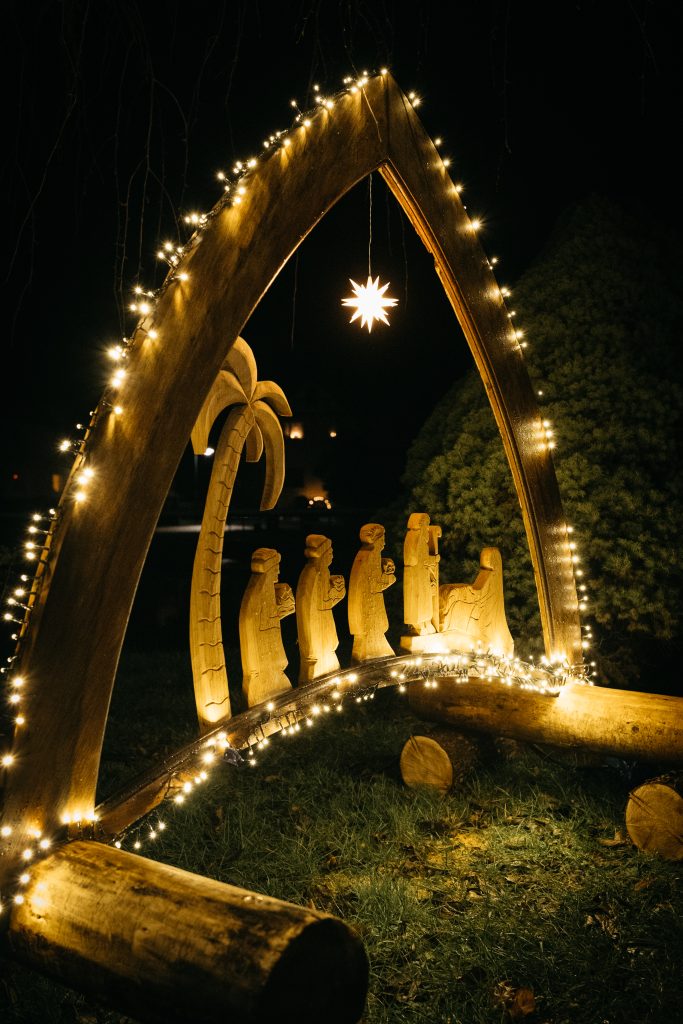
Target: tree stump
[
  {"x": 440, "y": 760},
  {"x": 654, "y": 816}
]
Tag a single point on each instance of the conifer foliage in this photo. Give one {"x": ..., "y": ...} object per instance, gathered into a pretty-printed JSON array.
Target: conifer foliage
[{"x": 602, "y": 311}]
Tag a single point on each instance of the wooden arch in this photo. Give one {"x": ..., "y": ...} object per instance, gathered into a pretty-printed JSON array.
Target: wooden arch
[{"x": 70, "y": 654}]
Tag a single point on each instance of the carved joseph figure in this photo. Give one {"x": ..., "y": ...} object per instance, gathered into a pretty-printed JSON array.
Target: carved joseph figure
[{"x": 420, "y": 578}]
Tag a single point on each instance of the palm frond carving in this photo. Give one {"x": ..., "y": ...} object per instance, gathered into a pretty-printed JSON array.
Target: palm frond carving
[{"x": 252, "y": 425}]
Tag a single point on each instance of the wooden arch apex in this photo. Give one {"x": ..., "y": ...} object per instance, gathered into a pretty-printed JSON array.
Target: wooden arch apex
[{"x": 70, "y": 654}]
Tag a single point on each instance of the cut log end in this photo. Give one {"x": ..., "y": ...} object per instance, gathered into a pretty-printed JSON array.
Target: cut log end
[
  {"x": 654, "y": 818},
  {"x": 440, "y": 760},
  {"x": 424, "y": 762},
  {"x": 166, "y": 946},
  {"x": 322, "y": 976}
]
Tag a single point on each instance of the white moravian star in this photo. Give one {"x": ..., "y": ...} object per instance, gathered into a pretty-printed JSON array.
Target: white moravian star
[{"x": 370, "y": 302}]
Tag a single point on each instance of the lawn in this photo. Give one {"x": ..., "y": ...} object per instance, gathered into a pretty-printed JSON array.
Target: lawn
[{"x": 514, "y": 897}]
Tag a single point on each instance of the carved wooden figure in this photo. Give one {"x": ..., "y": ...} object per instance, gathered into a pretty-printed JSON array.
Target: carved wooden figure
[
  {"x": 370, "y": 576},
  {"x": 264, "y": 604},
  {"x": 253, "y": 426},
  {"x": 434, "y": 558},
  {"x": 316, "y": 595},
  {"x": 472, "y": 614},
  {"x": 420, "y": 580}
]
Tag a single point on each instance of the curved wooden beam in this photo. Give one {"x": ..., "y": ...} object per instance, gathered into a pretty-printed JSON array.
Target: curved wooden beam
[{"x": 70, "y": 654}]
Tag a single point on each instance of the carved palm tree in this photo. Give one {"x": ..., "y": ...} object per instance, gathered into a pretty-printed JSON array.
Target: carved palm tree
[{"x": 252, "y": 424}]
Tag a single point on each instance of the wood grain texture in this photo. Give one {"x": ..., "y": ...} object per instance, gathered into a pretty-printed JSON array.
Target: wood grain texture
[
  {"x": 441, "y": 760},
  {"x": 654, "y": 817},
  {"x": 370, "y": 576},
  {"x": 265, "y": 603},
  {"x": 424, "y": 762},
  {"x": 473, "y": 614},
  {"x": 622, "y": 723},
  {"x": 168, "y": 946},
  {"x": 253, "y": 426},
  {"x": 317, "y": 593},
  {"x": 420, "y": 580},
  {"x": 71, "y": 652}
]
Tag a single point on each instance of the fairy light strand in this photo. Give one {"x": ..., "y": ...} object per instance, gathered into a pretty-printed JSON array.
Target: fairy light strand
[{"x": 83, "y": 476}]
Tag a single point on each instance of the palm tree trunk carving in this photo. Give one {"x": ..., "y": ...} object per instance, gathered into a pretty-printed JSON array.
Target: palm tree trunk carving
[{"x": 252, "y": 425}]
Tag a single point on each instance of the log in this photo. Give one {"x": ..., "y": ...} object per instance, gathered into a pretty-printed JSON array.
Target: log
[
  {"x": 164, "y": 945},
  {"x": 635, "y": 726},
  {"x": 99, "y": 546},
  {"x": 654, "y": 817},
  {"x": 440, "y": 760}
]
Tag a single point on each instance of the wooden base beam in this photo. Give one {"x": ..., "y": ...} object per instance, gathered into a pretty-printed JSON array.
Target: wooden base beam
[
  {"x": 621, "y": 723},
  {"x": 164, "y": 945}
]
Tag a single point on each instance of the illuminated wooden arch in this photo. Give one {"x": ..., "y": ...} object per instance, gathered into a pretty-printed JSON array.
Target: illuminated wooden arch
[{"x": 70, "y": 654}]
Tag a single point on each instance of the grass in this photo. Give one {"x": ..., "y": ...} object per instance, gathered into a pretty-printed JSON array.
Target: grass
[{"x": 500, "y": 901}]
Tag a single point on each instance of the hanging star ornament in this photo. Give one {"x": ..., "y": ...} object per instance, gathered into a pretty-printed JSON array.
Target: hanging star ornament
[{"x": 370, "y": 302}]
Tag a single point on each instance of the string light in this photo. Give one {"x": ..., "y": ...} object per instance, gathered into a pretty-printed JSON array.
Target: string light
[{"x": 461, "y": 667}]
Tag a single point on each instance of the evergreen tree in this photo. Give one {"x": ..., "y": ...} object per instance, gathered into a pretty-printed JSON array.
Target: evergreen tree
[{"x": 603, "y": 314}]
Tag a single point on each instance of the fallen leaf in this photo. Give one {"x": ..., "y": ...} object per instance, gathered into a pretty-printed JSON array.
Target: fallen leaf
[
  {"x": 523, "y": 1004},
  {"x": 645, "y": 883},
  {"x": 618, "y": 840},
  {"x": 517, "y": 1002}
]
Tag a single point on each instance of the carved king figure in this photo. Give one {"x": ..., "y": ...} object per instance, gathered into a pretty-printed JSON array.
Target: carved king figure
[
  {"x": 316, "y": 595},
  {"x": 264, "y": 604},
  {"x": 370, "y": 576}
]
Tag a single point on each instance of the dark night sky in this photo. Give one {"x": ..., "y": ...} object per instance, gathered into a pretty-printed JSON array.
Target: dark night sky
[{"x": 118, "y": 114}]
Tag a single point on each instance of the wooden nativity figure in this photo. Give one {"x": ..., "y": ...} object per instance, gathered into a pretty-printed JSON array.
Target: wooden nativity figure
[
  {"x": 370, "y": 576},
  {"x": 473, "y": 614},
  {"x": 420, "y": 581},
  {"x": 316, "y": 595},
  {"x": 264, "y": 604}
]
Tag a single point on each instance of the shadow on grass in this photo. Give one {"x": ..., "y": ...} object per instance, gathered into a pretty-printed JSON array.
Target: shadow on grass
[{"x": 503, "y": 886}]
